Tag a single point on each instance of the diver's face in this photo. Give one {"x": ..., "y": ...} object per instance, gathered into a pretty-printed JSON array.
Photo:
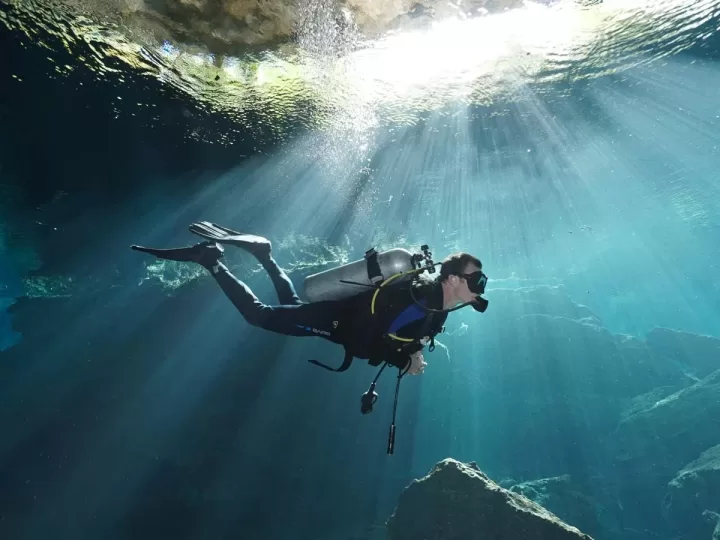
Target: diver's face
[{"x": 463, "y": 291}]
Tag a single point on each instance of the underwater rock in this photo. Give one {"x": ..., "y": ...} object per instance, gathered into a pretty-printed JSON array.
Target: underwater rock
[
  {"x": 422, "y": 13},
  {"x": 656, "y": 442},
  {"x": 700, "y": 354},
  {"x": 587, "y": 357},
  {"x": 550, "y": 388},
  {"x": 562, "y": 498},
  {"x": 548, "y": 321},
  {"x": 713, "y": 518},
  {"x": 458, "y": 501},
  {"x": 665, "y": 358},
  {"x": 694, "y": 492},
  {"x": 556, "y": 385},
  {"x": 550, "y": 385},
  {"x": 231, "y": 26},
  {"x": 645, "y": 401},
  {"x": 647, "y": 371}
]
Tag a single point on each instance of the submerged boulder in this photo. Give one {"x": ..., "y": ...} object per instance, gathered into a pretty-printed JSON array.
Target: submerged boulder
[
  {"x": 693, "y": 493},
  {"x": 697, "y": 354},
  {"x": 659, "y": 440},
  {"x": 713, "y": 518},
  {"x": 646, "y": 401},
  {"x": 458, "y": 501},
  {"x": 653, "y": 442},
  {"x": 563, "y": 498}
]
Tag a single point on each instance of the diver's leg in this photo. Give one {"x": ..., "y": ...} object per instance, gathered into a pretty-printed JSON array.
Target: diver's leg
[
  {"x": 296, "y": 320},
  {"x": 283, "y": 285},
  {"x": 258, "y": 246},
  {"x": 315, "y": 319}
]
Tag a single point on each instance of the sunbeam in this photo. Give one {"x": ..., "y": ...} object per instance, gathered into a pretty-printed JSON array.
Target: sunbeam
[{"x": 568, "y": 149}]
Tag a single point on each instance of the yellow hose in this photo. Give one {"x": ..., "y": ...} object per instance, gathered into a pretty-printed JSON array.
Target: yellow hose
[{"x": 388, "y": 280}]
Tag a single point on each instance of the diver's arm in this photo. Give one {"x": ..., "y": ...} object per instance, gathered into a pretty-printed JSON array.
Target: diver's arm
[
  {"x": 391, "y": 357},
  {"x": 414, "y": 363},
  {"x": 397, "y": 361},
  {"x": 410, "y": 356},
  {"x": 383, "y": 352}
]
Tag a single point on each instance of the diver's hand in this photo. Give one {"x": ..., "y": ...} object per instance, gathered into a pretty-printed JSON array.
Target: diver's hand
[{"x": 417, "y": 363}]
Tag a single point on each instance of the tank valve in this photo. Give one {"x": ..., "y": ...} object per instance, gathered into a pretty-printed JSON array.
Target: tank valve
[{"x": 429, "y": 265}]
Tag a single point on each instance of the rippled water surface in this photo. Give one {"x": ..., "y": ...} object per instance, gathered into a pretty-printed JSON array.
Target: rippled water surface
[{"x": 316, "y": 69}]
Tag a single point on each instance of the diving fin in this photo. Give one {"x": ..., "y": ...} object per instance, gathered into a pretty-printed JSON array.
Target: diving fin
[
  {"x": 257, "y": 245},
  {"x": 205, "y": 253}
]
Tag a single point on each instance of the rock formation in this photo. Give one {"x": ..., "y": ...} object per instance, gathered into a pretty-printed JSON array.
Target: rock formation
[
  {"x": 456, "y": 501},
  {"x": 692, "y": 502},
  {"x": 564, "y": 499}
]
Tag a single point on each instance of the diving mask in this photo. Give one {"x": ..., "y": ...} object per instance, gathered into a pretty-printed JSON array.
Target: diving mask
[{"x": 476, "y": 282}]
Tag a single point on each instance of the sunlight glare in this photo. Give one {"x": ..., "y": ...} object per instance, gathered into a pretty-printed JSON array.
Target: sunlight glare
[{"x": 457, "y": 52}]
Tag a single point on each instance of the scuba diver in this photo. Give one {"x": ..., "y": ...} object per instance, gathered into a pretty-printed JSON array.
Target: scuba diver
[{"x": 386, "y": 314}]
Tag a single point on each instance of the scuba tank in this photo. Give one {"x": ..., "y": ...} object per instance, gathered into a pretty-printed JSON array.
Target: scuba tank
[{"x": 359, "y": 276}]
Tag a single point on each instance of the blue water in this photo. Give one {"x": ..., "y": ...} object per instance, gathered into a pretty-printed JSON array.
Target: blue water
[{"x": 135, "y": 401}]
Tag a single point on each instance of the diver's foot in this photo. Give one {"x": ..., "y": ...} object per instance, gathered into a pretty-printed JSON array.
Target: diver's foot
[
  {"x": 257, "y": 245},
  {"x": 206, "y": 254}
]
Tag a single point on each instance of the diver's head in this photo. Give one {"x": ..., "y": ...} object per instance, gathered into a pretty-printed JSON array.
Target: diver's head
[{"x": 462, "y": 279}]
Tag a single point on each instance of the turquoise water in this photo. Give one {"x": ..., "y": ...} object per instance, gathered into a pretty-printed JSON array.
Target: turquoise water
[{"x": 572, "y": 148}]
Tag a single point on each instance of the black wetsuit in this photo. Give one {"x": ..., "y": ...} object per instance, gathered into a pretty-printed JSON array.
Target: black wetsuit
[{"x": 348, "y": 322}]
